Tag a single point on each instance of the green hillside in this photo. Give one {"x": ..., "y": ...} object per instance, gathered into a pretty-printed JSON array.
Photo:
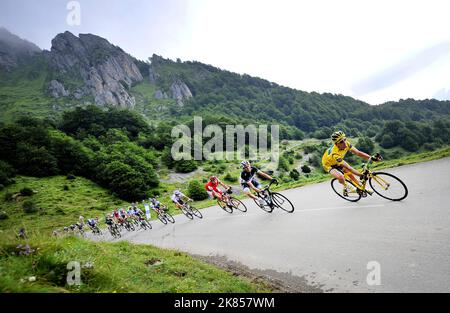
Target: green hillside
[{"x": 116, "y": 267}]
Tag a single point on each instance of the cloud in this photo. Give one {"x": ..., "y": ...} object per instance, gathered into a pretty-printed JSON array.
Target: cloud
[{"x": 402, "y": 70}]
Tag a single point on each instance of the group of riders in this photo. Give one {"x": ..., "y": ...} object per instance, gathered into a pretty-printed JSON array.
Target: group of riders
[{"x": 332, "y": 162}]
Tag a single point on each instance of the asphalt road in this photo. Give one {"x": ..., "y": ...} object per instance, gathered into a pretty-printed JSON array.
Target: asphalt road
[{"x": 329, "y": 242}]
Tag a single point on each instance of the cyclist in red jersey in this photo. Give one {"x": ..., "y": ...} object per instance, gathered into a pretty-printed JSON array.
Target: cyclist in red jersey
[{"x": 212, "y": 190}]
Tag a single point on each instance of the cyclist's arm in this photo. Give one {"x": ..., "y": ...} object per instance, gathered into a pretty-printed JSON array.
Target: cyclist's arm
[
  {"x": 224, "y": 185},
  {"x": 184, "y": 196},
  {"x": 253, "y": 187},
  {"x": 360, "y": 153},
  {"x": 267, "y": 176}
]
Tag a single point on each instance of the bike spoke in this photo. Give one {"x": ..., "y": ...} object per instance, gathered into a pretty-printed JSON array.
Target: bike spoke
[
  {"x": 238, "y": 205},
  {"x": 352, "y": 192},
  {"x": 388, "y": 186},
  {"x": 282, "y": 202}
]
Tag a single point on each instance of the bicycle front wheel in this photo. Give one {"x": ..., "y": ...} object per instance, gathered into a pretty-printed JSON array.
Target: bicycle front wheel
[
  {"x": 388, "y": 186},
  {"x": 196, "y": 212},
  {"x": 169, "y": 217},
  {"x": 162, "y": 218},
  {"x": 266, "y": 207},
  {"x": 238, "y": 205},
  {"x": 282, "y": 202},
  {"x": 352, "y": 195}
]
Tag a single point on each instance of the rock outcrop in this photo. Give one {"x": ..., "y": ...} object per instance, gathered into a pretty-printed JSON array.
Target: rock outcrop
[
  {"x": 106, "y": 70},
  {"x": 180, "y": 91},
  {"x": 57, "y": 89}
]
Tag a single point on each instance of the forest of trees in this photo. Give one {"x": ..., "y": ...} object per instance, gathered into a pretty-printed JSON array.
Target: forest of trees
[
  {"x": 92, "y": 143},
  {"x": 224, "y": 97}
]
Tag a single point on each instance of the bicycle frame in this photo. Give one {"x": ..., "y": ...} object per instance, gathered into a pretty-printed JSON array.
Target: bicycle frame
[{"x": 368, "y": 174}]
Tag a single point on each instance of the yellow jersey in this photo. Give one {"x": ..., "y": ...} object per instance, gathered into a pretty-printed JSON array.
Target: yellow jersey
[{"x": 333, "y": 156}]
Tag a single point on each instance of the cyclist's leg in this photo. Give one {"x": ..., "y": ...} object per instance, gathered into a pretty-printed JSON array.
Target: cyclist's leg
[
  {"x": 338, "y": 175},
  {"x": 217, "y": 195},
  {"x": 210, "y": 194},
  {"x": 178, "y": 205},
  {"x": 247, "y": 192},
  {"x": 351, "y": 172}
]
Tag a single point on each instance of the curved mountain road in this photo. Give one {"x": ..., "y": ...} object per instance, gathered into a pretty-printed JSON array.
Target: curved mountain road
[{"x": 332, "y": 244}]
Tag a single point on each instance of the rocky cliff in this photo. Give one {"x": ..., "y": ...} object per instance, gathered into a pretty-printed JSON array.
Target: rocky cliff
[{"x": 106, "y": 71}]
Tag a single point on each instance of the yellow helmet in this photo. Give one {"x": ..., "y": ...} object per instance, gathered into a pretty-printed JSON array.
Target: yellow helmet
[{"x": 338, "y": 136}]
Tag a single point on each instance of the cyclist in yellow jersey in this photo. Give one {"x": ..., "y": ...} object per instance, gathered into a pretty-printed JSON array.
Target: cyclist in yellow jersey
[{"x": 333, "y": 159}]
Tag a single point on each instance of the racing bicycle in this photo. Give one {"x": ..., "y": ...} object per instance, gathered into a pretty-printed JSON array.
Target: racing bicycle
[
  {"x": 228, "y": 203},
  {"x": 273, "y": 200},
  {"x": 190, "y": 211},
  {"x": 384, "y": 184}
]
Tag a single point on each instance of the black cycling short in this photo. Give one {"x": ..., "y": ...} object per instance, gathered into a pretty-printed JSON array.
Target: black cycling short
[{"x": 337, "y": 167}]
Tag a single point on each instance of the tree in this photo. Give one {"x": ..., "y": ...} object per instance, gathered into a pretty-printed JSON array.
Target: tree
[
  {"x": 387, "y": 141},
  {"x": 35, "y": 161},
  {"x": 365, "y": 144}
]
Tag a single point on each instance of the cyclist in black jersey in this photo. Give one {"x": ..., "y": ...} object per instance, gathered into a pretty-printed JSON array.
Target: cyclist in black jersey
[{"x": 249, "y": 182}]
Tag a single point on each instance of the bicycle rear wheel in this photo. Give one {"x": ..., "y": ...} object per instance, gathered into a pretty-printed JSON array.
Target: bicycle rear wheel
[
  {"x": 224, "y": 206},
  {"x": 187, "y": 213},
  {"x": 266, "y": 207},
  {"x": 282, "y": 202},
  {"x": 238, "y": 205},
  {"x": 388, "y": 186},
  {"x": 352, "y": 196}
]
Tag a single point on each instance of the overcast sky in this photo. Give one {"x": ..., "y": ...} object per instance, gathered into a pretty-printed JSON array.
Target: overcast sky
[{"x": 375, "y": 51}]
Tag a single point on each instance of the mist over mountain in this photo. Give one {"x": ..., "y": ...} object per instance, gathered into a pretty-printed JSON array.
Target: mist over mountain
[{"x": 14, "y": 50}]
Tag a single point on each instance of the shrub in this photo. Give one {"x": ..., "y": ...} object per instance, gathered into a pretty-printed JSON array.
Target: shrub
[
  {"x": 306, "y": 169},
  {"x": 29, "y": 207},
  {"x": 185, "y": 166},
  {"x": 26, "y": 192},
  {"x": 229, "y": 178},
  {"x": 66, "y": 188},
  {"x": 70, "y": 177},
  {"x": 294, "y": 174},
  {"x": 196, "y": 190},
  {"x": 283, "y": 164}
]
